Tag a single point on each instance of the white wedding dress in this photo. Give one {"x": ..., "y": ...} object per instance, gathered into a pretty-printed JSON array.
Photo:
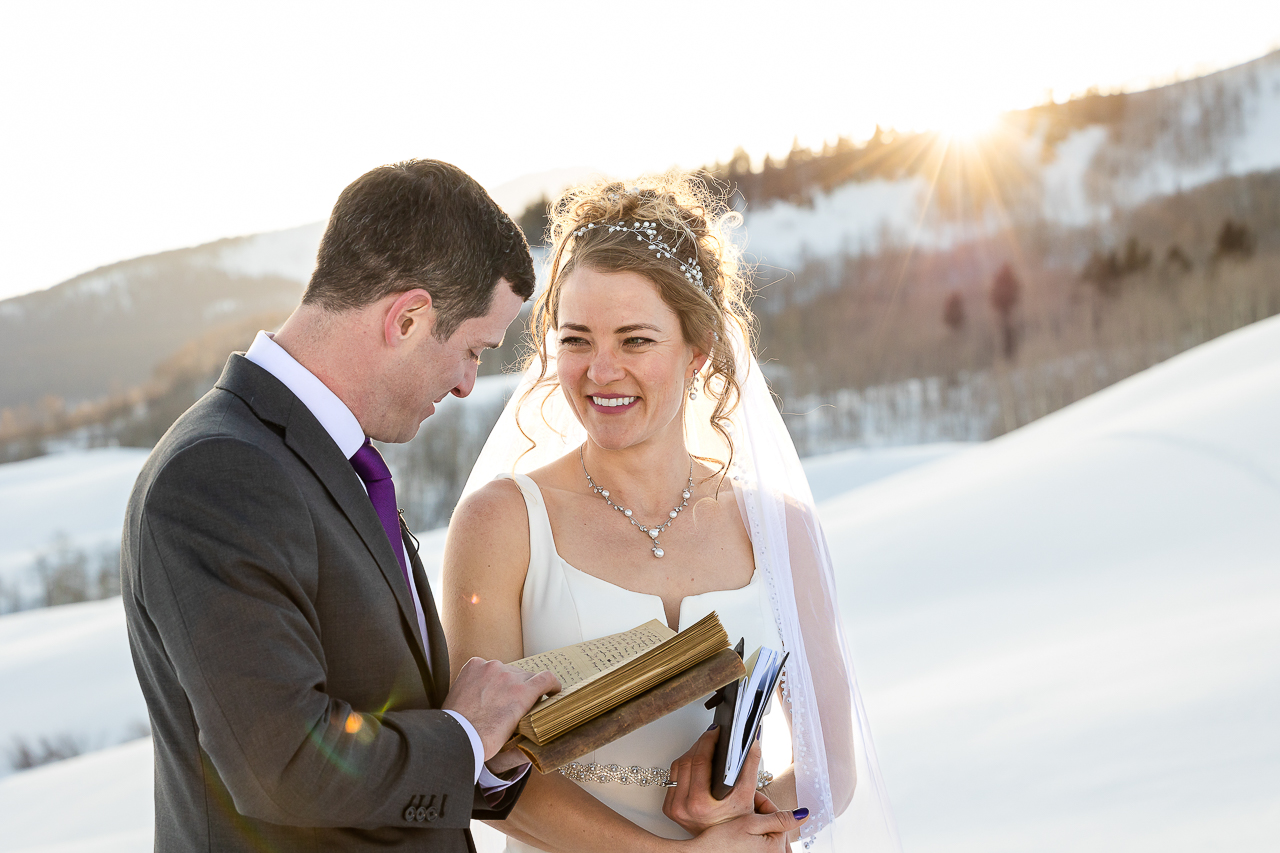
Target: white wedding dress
[
  {"x": 830, "y": 738},
  {"x": 562, "y": 605}
]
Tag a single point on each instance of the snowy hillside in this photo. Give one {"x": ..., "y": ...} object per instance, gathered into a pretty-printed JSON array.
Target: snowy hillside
[
  {"x": 1148, "y": 144},
  {"x": 290, "y": 254},
  {"x": 76, "y": 499},
  {"x": 114, "y": 811},
  {"x": 1178, "y": 137},
  {"x": 79, "y": 495},
  {"x": 67, "y": 674},
  {"x": 1067, "y": 637},
  {"x": 852, "y": 219},
  {"x": 108, "y": 329}
]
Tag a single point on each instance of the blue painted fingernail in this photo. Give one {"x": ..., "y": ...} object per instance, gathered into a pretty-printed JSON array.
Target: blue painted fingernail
[
  {"x": 710, "y": 727},
  {"x": 758, "y": 733},
  {"x": 800, "y": 814}
]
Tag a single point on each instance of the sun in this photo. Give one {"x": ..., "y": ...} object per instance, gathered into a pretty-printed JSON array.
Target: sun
[
  {"x": 963, "y": 124},
  {"x": 958, "y": 117}
]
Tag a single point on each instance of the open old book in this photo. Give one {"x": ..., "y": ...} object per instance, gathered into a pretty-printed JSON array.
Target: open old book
[{"x": 613, "y": 685}]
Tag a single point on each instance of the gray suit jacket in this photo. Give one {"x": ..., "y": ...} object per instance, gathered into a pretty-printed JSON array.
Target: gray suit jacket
[{"x": 265, "y": 606}]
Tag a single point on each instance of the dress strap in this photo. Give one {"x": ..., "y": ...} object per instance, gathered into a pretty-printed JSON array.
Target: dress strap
[
  {"x": 548, "y": 612},
  {"x": 542, "y": 545}
]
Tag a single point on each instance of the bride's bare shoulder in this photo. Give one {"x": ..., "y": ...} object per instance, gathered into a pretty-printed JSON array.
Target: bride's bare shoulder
[
  {"x": 496, "y": 506},
  {"x": 490, "y": 521},
  {"x": 494, "y": 502}
]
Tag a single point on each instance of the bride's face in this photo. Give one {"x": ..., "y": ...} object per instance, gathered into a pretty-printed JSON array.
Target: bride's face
[{"x": 622, "y": 359}]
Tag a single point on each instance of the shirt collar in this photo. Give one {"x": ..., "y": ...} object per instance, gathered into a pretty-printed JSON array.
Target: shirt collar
[{"x": 327, "y": 407}]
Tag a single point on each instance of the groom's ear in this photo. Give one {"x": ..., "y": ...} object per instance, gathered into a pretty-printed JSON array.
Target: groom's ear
[{"x": 409, "y": 315}]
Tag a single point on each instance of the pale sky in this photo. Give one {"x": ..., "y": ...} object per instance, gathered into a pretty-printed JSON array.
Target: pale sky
[{"x": 131, "y": 127}]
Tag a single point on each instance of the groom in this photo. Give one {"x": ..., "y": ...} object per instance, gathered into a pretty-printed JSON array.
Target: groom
[{"x": 282, "y": 627}]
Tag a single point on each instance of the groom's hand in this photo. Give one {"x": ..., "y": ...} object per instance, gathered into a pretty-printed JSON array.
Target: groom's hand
[{"x": 493, "y": 696}]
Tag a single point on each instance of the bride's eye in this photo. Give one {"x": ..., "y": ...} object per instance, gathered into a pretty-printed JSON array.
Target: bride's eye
[
  {"x": 637, "y": 342},
  {"x": 572, "y": 341}
]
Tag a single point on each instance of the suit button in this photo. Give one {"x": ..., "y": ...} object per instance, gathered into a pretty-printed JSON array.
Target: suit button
[
  {"x": 410, "y": 814},
  {"x": 421, "y": 813},
  {"x": 433, "y": 813}
]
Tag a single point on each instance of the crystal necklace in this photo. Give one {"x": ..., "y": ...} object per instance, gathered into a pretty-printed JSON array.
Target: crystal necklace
[{"x": 653, "y": 532}]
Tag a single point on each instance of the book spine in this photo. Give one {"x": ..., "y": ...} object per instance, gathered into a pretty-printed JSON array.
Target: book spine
[{"x": 674, "y": 693}]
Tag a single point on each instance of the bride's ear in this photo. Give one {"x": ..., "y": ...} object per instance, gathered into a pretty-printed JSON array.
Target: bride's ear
[
  {"x": 701, "y": 355},
  {"x": 700, "y": 359}
]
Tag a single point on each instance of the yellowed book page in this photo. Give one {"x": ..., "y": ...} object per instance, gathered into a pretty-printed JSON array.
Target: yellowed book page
[{"x": 584, "y": 662}]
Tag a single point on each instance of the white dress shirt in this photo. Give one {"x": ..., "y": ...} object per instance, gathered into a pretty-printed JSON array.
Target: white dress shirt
[{"x": 342, "y": 426}]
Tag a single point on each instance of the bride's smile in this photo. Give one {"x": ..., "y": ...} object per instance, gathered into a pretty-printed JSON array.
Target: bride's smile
[{"x": 604, "y": 401}]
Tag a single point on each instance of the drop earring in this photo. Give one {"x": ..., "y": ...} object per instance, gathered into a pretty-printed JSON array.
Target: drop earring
[{"x": 693, "y": 388}]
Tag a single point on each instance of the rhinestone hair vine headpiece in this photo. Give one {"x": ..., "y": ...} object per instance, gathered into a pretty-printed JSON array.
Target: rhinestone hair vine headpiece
[{"x": 648, "y": 231}]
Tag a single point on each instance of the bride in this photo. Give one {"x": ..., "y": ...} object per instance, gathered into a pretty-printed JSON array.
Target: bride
[{"x": 641, "y": 471}]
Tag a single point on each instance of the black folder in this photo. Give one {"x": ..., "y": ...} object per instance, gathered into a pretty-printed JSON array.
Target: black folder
[{"x": 725, "y": 700}]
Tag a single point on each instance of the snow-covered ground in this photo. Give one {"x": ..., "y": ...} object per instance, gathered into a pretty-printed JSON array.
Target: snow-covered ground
[
  {"x": 65, "y": 672},
  {"x": 834, "y": 474},
  {"x": 95, "y": 803},
  {"x": 1225, "y": 124},
  {"x": 1066, "y": 199},
  {"x": 79, "y": 494},
  {"x": 1068, "y": 638},
  {"x": 290, "y": 253},
  {"x": 1176, "y": 138},
  {"x": 855, "y": 218}
]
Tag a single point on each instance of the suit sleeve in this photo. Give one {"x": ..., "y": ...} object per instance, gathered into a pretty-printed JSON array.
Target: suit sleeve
[
  {"x": 498, "y": 807},
  {"x": 228, "y": 571}
]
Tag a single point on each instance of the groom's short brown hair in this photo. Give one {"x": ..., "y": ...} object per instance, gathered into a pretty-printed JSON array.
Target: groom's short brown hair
[{"x": 420, "y": 223}]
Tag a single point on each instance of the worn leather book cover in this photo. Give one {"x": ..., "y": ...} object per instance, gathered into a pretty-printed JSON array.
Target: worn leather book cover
[
  {"x": 722, "y": 668},
  {"x": 600, "y": 674}
]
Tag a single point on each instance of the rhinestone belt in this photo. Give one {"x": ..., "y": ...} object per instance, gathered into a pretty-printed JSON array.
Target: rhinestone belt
[{"x": 636, "y": 775}]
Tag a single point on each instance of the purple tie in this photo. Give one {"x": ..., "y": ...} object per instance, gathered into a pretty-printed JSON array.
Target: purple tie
[{"x": 373, "y": 470}]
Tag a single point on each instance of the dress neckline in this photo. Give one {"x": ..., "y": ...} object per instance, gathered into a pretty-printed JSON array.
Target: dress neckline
[
  {"x": 546, "y": 515},
  {"x": 661, "y": 606}
]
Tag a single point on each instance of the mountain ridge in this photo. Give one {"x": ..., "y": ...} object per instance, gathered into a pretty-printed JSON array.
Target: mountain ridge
[{"x": 109, "y": 330}]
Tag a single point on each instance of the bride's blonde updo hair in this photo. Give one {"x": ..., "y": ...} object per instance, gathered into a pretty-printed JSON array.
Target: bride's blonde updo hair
[{"x": 681, "y": 212}]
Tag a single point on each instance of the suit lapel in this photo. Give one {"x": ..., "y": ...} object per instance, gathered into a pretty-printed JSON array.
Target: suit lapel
[
  {"x": 439, "y": 675},
  {"x": 274, "y": 403}
]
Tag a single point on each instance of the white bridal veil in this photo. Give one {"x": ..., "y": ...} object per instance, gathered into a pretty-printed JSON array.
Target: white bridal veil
[{"x": 831, "y": 740}]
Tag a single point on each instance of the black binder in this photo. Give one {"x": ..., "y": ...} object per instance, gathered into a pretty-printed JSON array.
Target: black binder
[{"x": 725, "y": 700}]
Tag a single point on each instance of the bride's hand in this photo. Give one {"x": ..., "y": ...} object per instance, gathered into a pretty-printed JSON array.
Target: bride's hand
[
  {"x": 690, "y": 803},
  {"x": 766, "y": 831}
]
